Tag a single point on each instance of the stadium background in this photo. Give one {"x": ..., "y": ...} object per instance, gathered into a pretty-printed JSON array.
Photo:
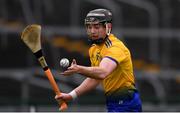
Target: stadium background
[{"x": 150, "y": 29}]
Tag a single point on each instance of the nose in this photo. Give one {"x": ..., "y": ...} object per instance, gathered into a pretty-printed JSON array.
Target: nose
[{"x": 92, "y": 30}]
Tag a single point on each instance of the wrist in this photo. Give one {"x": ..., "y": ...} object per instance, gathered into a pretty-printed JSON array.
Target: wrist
[{"x": 73, "y": 94}]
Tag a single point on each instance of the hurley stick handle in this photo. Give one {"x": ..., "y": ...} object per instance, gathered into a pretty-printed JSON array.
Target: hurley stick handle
[{"x": 63, "y": 106}]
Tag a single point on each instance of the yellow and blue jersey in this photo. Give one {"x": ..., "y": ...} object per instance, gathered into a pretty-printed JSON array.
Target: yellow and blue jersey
[{"x": 122, "y": 77}]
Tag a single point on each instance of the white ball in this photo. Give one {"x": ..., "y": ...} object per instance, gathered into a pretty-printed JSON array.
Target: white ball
[{"x": 64, "y": 62}]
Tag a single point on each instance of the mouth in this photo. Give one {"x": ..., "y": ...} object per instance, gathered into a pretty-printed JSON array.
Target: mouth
[{"x": 94, "y": 37}]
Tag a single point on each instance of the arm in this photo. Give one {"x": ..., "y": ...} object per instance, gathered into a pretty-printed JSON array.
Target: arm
[
  {"x": 105, "y": 67},
  {"x": 87, "y": 85}
]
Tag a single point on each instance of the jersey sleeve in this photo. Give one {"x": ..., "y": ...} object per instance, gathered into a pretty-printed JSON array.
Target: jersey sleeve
[{"x": 116, "y": 54}]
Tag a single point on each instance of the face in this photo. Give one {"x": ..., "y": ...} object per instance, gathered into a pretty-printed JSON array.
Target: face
[{"x": 96, "y": 31}]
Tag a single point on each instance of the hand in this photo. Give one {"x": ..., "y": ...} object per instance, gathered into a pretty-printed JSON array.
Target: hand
[
  {"x": 72, "y": 69},
  {"x": 64, "y": 96}
]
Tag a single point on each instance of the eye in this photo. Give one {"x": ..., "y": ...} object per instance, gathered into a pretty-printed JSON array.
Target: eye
[
  {"x": 88, "y": 26},
  {"x": 96, "y": 26}
]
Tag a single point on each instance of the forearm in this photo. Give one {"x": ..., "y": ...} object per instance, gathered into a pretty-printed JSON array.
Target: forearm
[
  {"x": 87, "y": 85},
  {"x": 105, "y": 67},
  {"x": 93, "y": 72}
]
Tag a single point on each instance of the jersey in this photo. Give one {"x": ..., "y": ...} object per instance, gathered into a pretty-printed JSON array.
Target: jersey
[{"x": 122, "y": 77}]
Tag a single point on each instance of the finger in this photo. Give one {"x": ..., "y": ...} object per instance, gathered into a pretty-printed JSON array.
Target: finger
[
  {"x": 60, "y": 101},
  {"x": 69, "y": 68},
  {"x": 65, "y": 73},
  {"x": 68, "y": 71},
  {"x": 58, "y": 97},
  {"x": 74, "y": 61},
  {"x": 62, "y": 73}
]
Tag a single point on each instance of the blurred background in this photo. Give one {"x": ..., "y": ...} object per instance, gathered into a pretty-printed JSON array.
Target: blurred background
[{"x": 149, "y": 28}]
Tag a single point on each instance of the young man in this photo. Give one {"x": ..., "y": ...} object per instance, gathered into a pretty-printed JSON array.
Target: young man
[{"x": 111, "y": 65}]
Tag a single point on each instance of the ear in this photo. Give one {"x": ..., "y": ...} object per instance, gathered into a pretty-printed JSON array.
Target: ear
[
  {"x": 108, "y": 28},
  {"x": 109, "y": 25}
]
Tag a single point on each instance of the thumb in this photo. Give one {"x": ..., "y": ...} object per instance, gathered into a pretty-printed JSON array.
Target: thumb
[
  {"x": 63, "y": 96},
  {"x": 58, "y": 97},
  {"x": 73, "y": 62}
]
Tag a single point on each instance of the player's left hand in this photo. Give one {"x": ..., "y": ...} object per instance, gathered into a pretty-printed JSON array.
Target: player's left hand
[{"x": 72, "y": 69}]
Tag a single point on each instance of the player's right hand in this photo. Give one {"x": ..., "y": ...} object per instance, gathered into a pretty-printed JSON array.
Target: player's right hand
[{"x": 64, "y": 96}]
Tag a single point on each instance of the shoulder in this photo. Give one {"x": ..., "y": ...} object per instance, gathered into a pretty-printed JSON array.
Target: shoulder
[{"x": 113, "y": 41}]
